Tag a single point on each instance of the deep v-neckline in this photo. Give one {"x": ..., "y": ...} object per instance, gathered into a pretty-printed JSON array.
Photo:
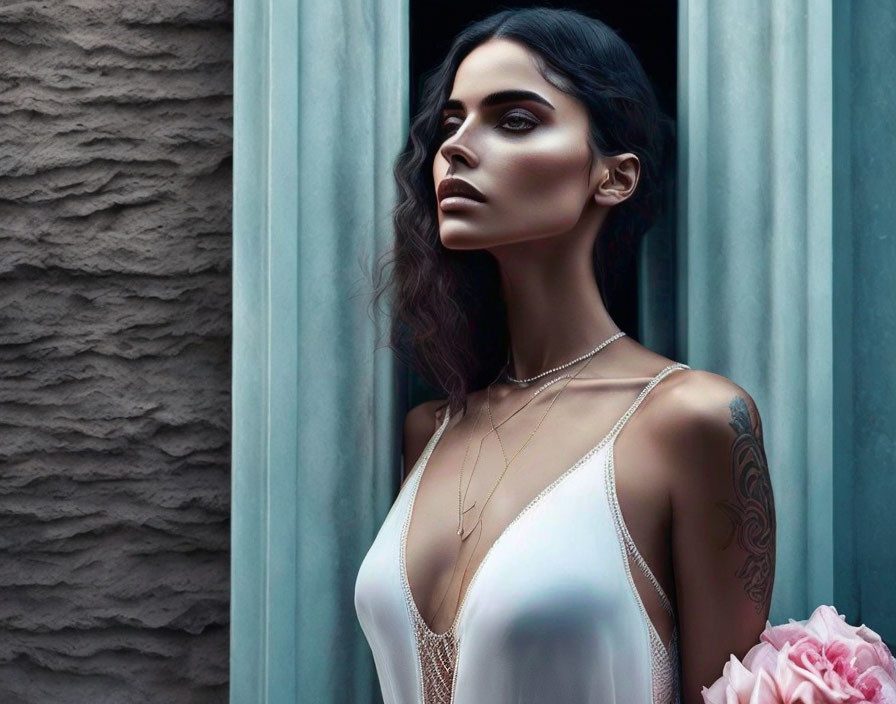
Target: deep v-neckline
[{"x": 424, "y": 461}]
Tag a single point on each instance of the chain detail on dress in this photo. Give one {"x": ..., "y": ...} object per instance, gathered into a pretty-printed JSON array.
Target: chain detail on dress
[
  {"x": 663, "y": 674},
  {"x": 437, "y": 652},
  {"x": 674, "y": 666},
  {"x": 438, "y": 657}
]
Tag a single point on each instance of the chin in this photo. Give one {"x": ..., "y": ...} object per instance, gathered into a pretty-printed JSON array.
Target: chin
[
  {"x": 461, "y": 242},
  {"x": 454, "y": 237},
  {"x": 461, "y": 238}
]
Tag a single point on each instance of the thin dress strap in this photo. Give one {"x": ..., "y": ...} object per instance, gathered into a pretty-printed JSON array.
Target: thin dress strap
[
  {"x": 620, "y": 424},
  {"x": 665, "y": 659},
  {"x": 617, "y": 511}
]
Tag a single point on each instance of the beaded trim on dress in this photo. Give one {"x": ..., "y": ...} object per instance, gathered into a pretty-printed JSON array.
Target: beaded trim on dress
[
  {"x": 438, "y": 661},
  {"x": 437, "y": 652},
  {"x": 664, "y": 662}
]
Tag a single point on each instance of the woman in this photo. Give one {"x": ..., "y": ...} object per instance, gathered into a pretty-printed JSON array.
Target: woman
[{"x": 622, "y": 500}]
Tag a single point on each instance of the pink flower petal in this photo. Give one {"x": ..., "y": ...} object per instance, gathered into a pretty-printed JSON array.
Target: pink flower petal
[
  {"x": 785, "y": 633},
  {"x": 740, "y": 686},
  {"x": 796, "y": 682},
  {"x": 877, "y": 686},
  {"x": 821, "y": 660},
  {"x": 761, "y": 656},
  {"x": 721, "y": 691},
  {"x": 765, "y": 691},
  {"x": 826, "y": 623},
  {"x": 740, "y": 679}
]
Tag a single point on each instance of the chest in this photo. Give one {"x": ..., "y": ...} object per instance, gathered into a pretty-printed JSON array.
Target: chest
[{"x": 573, "y": 502}]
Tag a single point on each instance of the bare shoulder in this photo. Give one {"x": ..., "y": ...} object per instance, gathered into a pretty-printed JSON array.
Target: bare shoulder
[
  {"x": 697, "y": 410},
  {"x": 425, "y": 418},
  {"x": 723, "y": 518},
  {"x": 709, "y": 434},
  {"x": 420, "y": 424}
]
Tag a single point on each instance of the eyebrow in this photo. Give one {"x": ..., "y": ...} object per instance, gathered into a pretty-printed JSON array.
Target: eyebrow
[{"x": 499, "y": 98}]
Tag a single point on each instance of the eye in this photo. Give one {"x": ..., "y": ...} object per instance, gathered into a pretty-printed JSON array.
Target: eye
[
  {"x": 447, "y": 128},
  {"x": 523, "y": 122},
  {"x": 512, "y": 122}
]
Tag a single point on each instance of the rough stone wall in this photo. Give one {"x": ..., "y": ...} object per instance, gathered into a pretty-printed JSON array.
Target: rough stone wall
[{"x": 115, "y": 258}]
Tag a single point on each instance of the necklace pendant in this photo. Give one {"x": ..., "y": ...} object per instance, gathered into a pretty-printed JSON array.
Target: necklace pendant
[{"x": 460, "y": 521}]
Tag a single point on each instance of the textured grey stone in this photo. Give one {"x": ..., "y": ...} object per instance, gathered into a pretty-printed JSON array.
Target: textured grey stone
[{"x": 115, "y": 256}]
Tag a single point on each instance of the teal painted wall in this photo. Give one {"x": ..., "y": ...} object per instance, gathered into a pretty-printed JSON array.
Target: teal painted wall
[{"x": 866, "y": 162}]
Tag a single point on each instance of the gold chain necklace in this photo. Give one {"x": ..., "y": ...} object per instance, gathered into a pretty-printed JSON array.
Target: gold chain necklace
[
  {"x": 507, "y": 463},
  {"x": 461, "y": 512},
  {"x": 461, "y": 499}
]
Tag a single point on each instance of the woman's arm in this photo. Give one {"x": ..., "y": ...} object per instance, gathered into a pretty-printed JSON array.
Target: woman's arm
[{"x": 723, "y": 527}]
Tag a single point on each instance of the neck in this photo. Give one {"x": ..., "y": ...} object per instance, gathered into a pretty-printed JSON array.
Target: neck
[{"x": 554, "y": 309}]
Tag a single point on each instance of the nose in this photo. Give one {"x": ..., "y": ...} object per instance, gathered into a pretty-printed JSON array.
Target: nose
[{"x": 455, "y": 147}]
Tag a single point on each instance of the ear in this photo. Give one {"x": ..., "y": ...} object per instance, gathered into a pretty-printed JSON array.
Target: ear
[{"x": 617, "y": 178}]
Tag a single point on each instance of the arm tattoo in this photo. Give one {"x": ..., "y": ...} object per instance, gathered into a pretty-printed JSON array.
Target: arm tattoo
[{"x": 752, "y": 514}]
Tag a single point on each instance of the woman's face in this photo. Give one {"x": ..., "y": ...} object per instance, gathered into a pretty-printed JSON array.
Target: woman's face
[{"x": 528, "y": 156}]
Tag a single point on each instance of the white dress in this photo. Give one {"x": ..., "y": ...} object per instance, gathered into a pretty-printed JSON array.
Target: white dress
[{"x": 551, "y": 614}]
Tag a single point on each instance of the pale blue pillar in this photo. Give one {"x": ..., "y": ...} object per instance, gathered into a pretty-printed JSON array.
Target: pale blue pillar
[
  {"x": 755, "y": 242},
  {"x": 787, "y": 156},
  {"x": 320, "y": 112}
]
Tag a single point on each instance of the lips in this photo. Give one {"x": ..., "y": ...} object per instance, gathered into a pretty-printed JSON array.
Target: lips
[{"x": 458, "y": 187}]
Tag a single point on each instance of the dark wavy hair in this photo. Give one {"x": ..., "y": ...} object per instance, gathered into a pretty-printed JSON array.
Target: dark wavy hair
[{"x": 448, "y": 318}]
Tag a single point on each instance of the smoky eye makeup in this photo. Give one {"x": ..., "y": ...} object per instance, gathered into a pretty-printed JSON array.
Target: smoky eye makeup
[
  {"x": 506, "y": 106},
  {"x": 515, "y": 119},
  {"x": 523, "y": 119}
]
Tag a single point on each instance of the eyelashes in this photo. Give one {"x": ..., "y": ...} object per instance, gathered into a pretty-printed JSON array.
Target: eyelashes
[
  {"x": 525, "y": 122},
  {"x": 514, "y": 121}
]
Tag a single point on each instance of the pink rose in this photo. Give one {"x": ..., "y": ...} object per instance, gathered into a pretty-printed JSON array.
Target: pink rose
[{"x": 822, "y": 660}]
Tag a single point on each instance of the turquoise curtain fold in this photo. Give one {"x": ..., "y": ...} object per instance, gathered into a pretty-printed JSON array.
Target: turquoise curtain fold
[
  {"x": 320, "y": 112},
  {"x": 786, "y": 156},
  {"x": 755, "y": 235}
]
